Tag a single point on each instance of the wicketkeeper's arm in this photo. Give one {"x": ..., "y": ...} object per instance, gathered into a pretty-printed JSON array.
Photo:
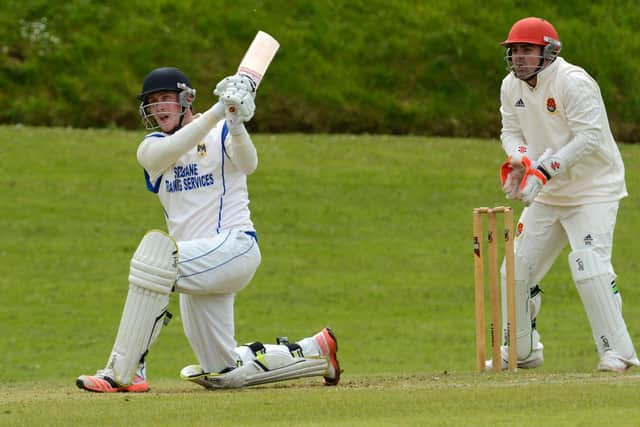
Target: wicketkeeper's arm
[
  {"x": 584, "y": 112},
  {"x": 511, "y": 137}
]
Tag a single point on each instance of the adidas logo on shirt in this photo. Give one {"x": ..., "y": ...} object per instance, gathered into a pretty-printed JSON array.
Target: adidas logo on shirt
[{"x": 520, "y": 103}]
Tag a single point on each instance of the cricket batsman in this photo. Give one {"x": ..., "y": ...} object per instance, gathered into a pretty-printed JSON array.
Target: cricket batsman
[
  {"x": 197, "y": 164},
  {"x": 564, "y": 165}
]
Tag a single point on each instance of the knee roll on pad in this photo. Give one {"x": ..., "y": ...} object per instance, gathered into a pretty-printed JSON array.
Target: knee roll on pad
[
  {"x": 585, "y": 264},
  {"x": 154, "y": 268},
  {"x": 154, "y": 265},
  {"x": 593, "y": 281}
]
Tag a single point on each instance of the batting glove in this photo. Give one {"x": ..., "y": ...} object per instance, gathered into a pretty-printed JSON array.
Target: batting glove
[
  {"x": 239, "y": 107},
  {"x": 237, "y": 81}
]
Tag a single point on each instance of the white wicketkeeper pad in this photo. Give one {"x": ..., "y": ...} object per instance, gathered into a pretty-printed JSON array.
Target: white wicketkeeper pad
[
  {"x": 593, "y": 281},
  {"x": 153, "y": 272},
  {"x": 525, "y": 308},
  {"x": 276, "y": 364}
]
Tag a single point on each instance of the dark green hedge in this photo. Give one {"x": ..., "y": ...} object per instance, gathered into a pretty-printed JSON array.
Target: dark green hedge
[{"x": 431, "y": 67}]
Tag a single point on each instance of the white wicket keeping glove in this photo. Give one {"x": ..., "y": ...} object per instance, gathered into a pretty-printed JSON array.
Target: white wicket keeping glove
[
  {"x": 550, "y": 164},
  {"x": 537, "y": 174}
]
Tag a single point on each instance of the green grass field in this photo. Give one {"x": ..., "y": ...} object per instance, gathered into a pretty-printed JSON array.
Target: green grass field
[{"x": 369, "y": 234}]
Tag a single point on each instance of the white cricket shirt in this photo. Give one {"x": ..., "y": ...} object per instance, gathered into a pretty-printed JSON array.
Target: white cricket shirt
[
  {"x": 202, "y": 192},
  {"x": 564, "y": 112}
]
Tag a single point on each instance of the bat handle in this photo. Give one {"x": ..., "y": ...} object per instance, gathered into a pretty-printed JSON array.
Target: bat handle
[{"x": 218, "y": 110}]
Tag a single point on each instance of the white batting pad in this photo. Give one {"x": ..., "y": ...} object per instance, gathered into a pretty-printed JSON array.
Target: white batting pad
[
  {"x": 276, "y": 364},
  {"x": 593, "y": 281},
  {"x": 301, "y": 367},
  {"x": 152, "y": 276}
]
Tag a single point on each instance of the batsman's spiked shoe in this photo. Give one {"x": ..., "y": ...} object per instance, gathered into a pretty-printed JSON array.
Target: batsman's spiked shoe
[
  {"x": 328, "y": 344},
  {"x": 103, "y": 382}
]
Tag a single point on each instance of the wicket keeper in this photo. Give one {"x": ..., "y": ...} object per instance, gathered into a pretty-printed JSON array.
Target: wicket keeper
[{"x": 564, "y": 165}]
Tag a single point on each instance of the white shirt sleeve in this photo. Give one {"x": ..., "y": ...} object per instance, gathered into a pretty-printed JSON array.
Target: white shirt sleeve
[
  {"x": 584, "y": 115},
  {"x": 511, "y": 133},
  {"x": 241, "y": 150},
  {"x": 156, "y": 154}
]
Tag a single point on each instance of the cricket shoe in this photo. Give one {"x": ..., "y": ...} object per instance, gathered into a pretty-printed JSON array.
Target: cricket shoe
[
  {"x": 613, "y": 362},
  {"x": 103, "y": 382},
  {"x": 328, "y": 344},
  {"x": 534, "y": 360}
]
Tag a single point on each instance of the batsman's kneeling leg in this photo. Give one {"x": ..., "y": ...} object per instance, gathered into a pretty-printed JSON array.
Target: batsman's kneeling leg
[
  {"x": 152, "y": 275},
  {"x": 273, "y": 363}
]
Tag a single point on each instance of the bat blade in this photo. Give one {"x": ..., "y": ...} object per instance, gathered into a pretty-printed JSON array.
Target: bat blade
[
  {"x": 258, "y": 57},
  {"x": 254, "y": 64}
]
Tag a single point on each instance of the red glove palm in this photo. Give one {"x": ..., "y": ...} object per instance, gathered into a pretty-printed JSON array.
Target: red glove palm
[{"x": 511, "y": 174}]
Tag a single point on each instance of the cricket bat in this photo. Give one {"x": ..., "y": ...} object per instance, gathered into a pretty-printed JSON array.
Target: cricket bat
[
  {"x": 258, "y": 57},
  {"x": 256, "y": 61}
]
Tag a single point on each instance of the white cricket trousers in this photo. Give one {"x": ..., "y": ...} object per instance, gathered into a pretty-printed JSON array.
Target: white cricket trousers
[
  {"x": 543, "y": 231},
  {"x": 210, "y": 273}
]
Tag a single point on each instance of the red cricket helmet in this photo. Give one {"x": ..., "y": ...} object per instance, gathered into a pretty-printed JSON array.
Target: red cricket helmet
[
  {"x": 532, "y": 30},
  {"x": 537, "y": 32}
]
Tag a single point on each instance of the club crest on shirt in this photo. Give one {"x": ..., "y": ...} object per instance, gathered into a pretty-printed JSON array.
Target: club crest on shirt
[
  {"x": 202, "y": 150},
  {"x": 551, "y": 105},
  {"x": 519, "y": 229}
]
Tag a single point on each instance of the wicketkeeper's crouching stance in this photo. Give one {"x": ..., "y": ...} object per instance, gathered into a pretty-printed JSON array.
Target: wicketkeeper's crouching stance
[{"x": 197, "y": 165}]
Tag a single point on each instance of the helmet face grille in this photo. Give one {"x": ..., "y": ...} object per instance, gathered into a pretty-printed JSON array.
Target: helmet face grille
[
  {"x": 537, "y": 32},
  {"x": 149, "y": 117},
  {"x": 162, "y": 80}
]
